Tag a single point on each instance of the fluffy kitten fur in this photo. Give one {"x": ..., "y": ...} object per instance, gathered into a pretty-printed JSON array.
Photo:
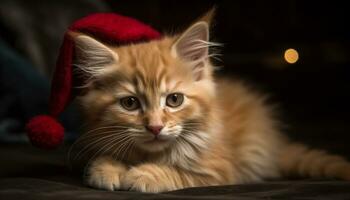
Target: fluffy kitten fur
[{"x": 223, "y": 133}]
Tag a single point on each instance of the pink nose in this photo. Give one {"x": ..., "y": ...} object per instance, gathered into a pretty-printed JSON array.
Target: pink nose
[{"x": 154, "y": 129}]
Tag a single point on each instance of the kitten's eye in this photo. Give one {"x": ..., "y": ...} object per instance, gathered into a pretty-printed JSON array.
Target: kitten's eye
[
  {"x": 130, "y": 103},
  {"x": 174, "y": 100}
]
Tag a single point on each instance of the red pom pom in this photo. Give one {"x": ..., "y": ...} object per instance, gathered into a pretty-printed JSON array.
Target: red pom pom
[{"x": 45, "y": 132}]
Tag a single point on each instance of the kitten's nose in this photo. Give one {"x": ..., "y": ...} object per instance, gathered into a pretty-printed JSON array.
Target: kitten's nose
[{"x": 154, "y": 129}]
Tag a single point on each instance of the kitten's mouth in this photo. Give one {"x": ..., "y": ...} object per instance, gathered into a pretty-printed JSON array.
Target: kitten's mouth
[
  {"x": 156, "y": 144},
  {"x": 156, "y": 140}
]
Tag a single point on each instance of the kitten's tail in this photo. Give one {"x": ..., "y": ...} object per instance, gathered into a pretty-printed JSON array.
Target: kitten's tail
[{"x": 299, "y": 160}]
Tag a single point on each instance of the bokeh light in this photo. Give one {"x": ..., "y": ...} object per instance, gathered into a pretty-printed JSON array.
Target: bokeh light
[{"x": 291, "y": 56}]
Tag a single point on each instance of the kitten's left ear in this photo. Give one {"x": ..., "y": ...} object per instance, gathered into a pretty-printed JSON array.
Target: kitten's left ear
[
  {"x": 193, "y": 47},
  {"x": 93, "y": 57}
]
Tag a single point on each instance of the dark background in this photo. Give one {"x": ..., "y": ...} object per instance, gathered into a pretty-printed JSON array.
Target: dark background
[{"x": 312, "y": 94}]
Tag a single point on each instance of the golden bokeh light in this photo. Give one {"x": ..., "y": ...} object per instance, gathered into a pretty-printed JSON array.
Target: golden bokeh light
[{"x": 291, "y": 56}]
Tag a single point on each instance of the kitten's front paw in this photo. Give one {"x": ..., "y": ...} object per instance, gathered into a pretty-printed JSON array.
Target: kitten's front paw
[
  {"x": 105, "y": 173},
  {"x": 146, "y": 178}
]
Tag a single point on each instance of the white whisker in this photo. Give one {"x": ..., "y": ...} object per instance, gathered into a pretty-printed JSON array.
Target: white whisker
[
  {"x": 118, "y": 150},
  {"x": 97, "y": 141}
]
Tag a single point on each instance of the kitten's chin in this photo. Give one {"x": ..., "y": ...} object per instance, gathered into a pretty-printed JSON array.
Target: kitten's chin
[{"x": 155, "y": 145}]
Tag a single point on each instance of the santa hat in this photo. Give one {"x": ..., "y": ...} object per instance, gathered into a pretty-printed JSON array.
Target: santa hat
[{"x": 44, "y": 130}]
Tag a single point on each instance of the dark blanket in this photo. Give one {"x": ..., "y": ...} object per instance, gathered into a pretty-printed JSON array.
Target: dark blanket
[
  {"x": 31, "y": 188},
  {"x": 28, "y": 173}
]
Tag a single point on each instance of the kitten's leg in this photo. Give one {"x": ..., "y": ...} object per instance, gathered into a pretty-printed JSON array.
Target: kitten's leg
[
  {"x": 297, "y": 159},
  {"x": 155, "y": 178},
  {"x": 105, "y": 173}
]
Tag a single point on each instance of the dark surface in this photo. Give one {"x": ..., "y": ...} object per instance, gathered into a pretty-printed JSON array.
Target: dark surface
[
  {"x": 31, "y": 188},
  {"x": 28, "y": 173}
]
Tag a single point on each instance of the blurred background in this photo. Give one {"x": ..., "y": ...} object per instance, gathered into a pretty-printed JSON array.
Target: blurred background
[{"x": 297, "y": 51}]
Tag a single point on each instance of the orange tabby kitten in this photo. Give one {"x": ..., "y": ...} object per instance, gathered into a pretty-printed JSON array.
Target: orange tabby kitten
[{"x": 159, "y": 120}]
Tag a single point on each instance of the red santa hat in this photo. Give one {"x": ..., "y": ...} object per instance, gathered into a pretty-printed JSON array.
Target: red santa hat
[{"x": 44, "y": 130}]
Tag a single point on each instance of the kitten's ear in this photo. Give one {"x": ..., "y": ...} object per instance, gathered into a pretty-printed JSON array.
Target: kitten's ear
[
  {"x": 193, "y": 47},
  {"x": 208, "y": 16},
  {"x": 93, "y": 57}
]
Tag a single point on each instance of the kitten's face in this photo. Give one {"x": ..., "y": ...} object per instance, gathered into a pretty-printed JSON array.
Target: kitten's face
[{"x": 151, "y": 94}]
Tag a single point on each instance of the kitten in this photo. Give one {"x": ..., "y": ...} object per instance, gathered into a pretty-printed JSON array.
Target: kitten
[{"x": 158, "y": 120}]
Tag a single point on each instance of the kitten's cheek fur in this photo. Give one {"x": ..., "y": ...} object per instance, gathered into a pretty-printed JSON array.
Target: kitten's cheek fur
[{"x": 105, "y": 173}]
